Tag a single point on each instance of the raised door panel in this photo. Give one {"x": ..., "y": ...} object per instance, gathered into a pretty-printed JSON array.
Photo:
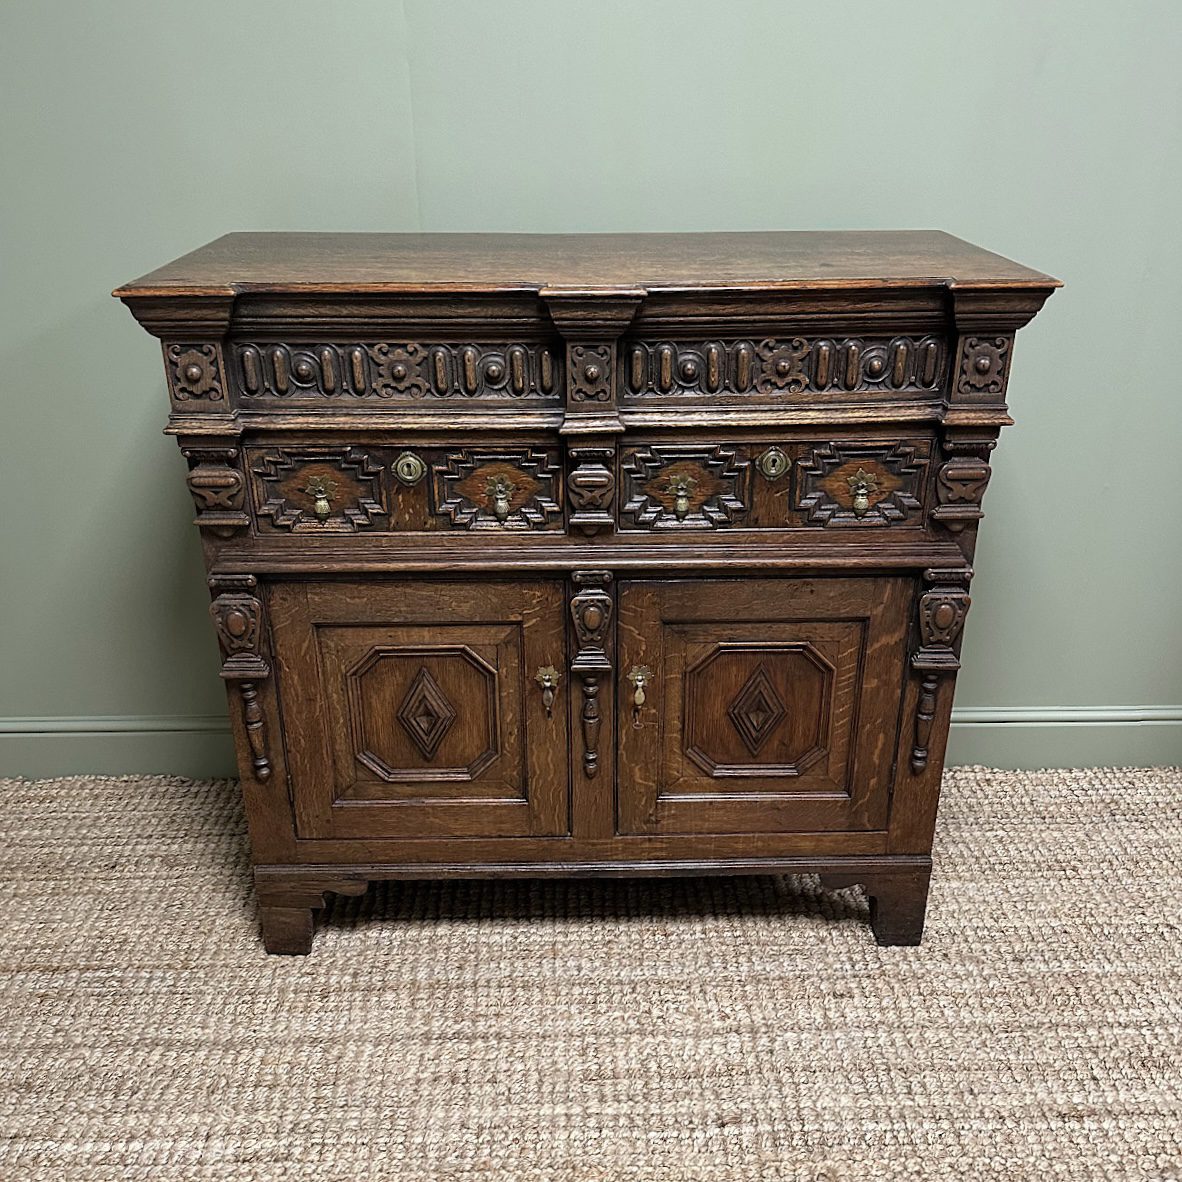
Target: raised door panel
[
  {"x": 413, "y": 710},
  {"x": 768, "y": 705}
]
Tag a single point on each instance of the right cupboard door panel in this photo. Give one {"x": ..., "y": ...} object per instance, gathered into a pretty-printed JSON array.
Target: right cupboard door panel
[{"x": 770, "y": 705}]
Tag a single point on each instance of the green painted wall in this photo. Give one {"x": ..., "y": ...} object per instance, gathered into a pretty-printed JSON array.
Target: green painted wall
[{"x": 133, "y": 131}]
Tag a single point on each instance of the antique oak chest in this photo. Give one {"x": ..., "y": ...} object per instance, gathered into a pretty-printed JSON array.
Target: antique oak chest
[{"x": 588, "y": 555}]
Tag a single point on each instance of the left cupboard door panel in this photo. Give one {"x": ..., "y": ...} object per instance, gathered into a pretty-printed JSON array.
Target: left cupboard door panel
[{"x": 412, "y": 709}]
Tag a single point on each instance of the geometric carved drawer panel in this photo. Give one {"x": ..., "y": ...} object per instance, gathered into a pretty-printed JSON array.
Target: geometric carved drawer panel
[
  {"x": 846, "y": 484},
  {"x": 680, "y": 485},
  {"x": 342, "y": 488}
]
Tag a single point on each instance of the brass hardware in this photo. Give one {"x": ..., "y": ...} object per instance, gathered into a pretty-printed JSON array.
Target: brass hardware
[
  {"x": 409, "y": 468},
  {"x": 773, "y": 463},
  {"x": 322, "y": 489},
  {"x": 862, "y": 484},
  {"x": 681, "y": 487},
  {"x": 548, "y": 678},
  {"x": 499, "y": 491},
  {"x": 640, "y": 676}
]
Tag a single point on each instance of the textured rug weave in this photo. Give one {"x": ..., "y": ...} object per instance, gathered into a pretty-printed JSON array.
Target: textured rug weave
[{"x": 693, "y": 1031}]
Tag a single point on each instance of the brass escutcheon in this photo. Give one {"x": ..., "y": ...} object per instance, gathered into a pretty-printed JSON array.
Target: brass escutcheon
[
  {"x": 409, "y": 468},
  {"x": 773, "y": 463}
]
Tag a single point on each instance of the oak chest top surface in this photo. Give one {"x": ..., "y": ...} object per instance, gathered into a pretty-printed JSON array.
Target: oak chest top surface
[{"x": 732, "y": 261}]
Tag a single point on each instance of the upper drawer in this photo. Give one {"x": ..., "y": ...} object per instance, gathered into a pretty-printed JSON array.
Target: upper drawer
[
  {"x": 772, "y": 370},
  {"x": 863, "y": 482},
  {"x": 313, "y": 487}
]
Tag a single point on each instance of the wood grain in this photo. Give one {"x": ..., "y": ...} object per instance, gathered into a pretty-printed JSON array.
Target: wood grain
[{"x": 301, "y": 262}]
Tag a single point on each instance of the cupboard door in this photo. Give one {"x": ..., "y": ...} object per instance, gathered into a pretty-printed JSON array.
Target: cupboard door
[
  {"x": 769, "y": 705},
  {"x": 412, "y": 709}
]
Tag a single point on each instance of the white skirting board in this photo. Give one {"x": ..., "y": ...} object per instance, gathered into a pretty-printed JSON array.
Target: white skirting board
[{"x": 199, "y": 746}]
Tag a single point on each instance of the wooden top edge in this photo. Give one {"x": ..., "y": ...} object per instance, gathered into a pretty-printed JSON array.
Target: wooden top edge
[{"x": 588, "y": 264}]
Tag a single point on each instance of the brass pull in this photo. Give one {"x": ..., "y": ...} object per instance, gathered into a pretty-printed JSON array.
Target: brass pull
[
  {"x": 862, "y": 484},
  {"x": 640, "y": 676},
  {"x": 499, "y": 491},
  {"x": 548, "y": 678},
  {"x": 321, "y": 489},
  {"x": 681, "y": 487}
]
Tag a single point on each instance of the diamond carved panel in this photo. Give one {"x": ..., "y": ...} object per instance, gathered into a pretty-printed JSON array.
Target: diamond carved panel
[
  {"x": 756, "y": 711},
  {"x": 425, "y": 714},
  {"x": 404, "y": 713}
]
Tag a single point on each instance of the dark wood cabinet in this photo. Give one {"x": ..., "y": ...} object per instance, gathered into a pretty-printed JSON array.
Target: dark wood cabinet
[{"x": 588, "y": 555}]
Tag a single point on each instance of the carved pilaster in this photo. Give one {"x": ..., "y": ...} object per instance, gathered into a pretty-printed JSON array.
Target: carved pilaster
[
  {"x": 942, "y": 612},
  {"x": 218, "y": 488},
  {"x": 238, "y": 619},
  {"x": 591, "y": 612},
  {"x": 591, "y": 488},
  {"x": 591, "y": 324},
  {"x": 961, "y": 482}
]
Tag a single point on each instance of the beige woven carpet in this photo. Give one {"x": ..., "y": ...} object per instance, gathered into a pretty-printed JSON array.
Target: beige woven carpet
[{"x": 684, "y": 1030}]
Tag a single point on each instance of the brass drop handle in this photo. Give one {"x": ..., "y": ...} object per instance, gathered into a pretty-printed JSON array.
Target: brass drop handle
[
  {"x": 680, "y": 487},
  {"x": 548, "y": 678},
  {"x": 499, "y": 491},
  {"x": 321, "y": 489},
  {"x": 640, "y": 676},
  {"x": 862, "y": 486}
]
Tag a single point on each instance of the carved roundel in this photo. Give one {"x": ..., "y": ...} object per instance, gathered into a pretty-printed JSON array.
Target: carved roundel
[
  {"x": 590, "y": 373},
  {"x": 194, "y": 372},
  {"x": 983, "y": 365},
  {"x": 237, "y": 618}
]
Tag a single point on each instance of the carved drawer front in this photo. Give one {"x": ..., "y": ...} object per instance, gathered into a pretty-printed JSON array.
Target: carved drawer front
[
  {"x": 860, "y": 485},
  {"x": 415, "y": 709},
  {"x": 773, "y": 484},
  {"x": 272, "y": 375},
  {"x": 762, "y": 706},
  {"x": 684, "y": 486},
  {"x": 766, "y": 370},
  {"x": 341, "y": 488}
]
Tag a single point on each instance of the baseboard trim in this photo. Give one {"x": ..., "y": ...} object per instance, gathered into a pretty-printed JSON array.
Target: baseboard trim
[
  {"x": 115, "y": 724},
  {"x": 1064, "y": 715},
  {"x": 199, "y": 744}
]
